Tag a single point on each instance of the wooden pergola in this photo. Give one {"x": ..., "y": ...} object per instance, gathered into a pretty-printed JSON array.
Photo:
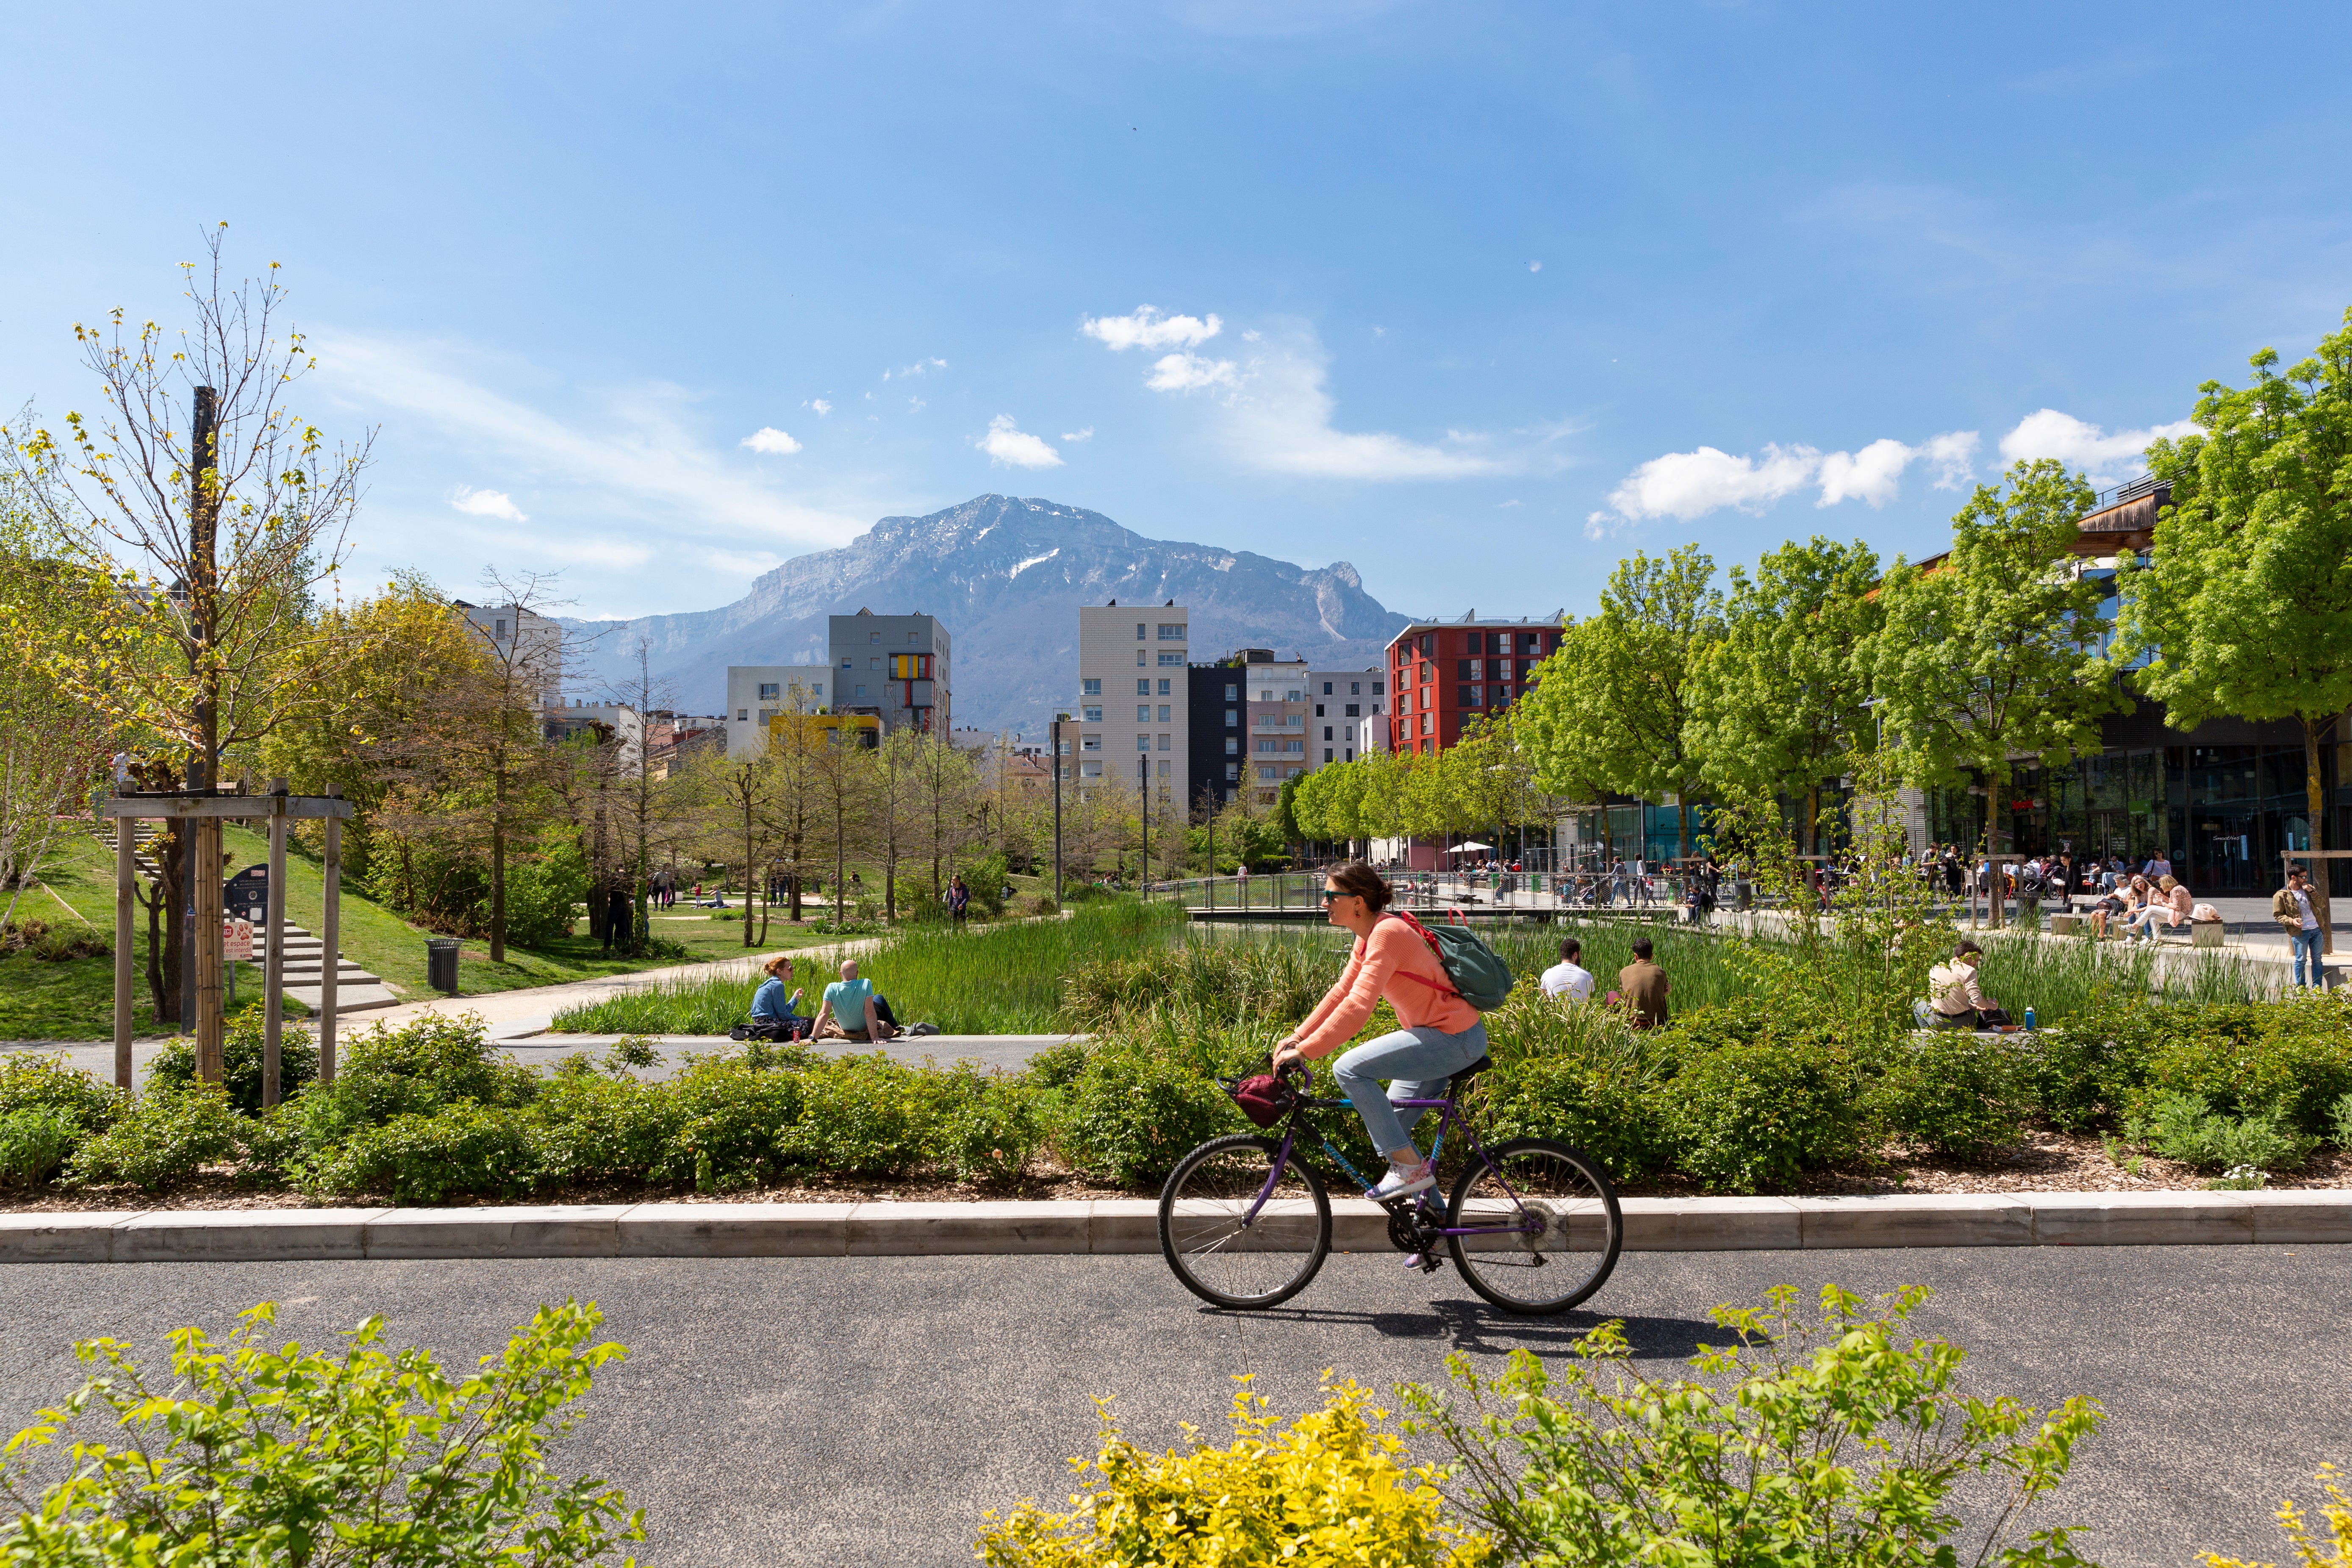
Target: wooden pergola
[{"x": 279, "y": 808}]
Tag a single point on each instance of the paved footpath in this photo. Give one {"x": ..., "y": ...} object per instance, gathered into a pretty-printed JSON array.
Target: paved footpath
[{"x": 868, "y": 1410}]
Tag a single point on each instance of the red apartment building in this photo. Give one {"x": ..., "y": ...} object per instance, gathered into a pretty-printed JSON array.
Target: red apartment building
[{"x": 1445, "y": 672}]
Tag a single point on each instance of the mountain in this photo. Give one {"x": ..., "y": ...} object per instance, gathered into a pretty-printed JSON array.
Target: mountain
[{"x": 1005, "y": 574}]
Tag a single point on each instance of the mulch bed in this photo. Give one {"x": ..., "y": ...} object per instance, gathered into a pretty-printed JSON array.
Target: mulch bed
[{"x": 2046, "y": 1161}]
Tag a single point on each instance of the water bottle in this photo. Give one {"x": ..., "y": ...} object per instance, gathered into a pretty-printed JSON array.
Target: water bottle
[{"x": 2029, "y": 1020}]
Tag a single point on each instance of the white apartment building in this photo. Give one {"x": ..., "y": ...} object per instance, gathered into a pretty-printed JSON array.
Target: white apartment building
[
  {"x": 757, "y": 692},
  {"x": 560, "y": 723},
  {"x": 1133, "y": 693},
  {"x": 528, "y": 641},
  {"x": 1275, "y": 701},
  {"x": 1344, "y": 703}
]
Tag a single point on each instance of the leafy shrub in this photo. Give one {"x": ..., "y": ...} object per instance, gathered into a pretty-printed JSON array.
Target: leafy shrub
[
  {"x": 992, "y": 1128},
  {"x": 32, "y": 1082},
  {"x": 731, "y": 1125},
  {"x": 1147, "y": 1095},
  {"x": 986, "y": 883},
  {"x": 428, "y": 1157},
  {"x": 590, "y": 1128},
  {"x": 241, "y": 1061},
  {"x": 262, "y": 1456},
  {"x": 1952, "y": 1093},
  {"x": 1831, "y": 1442},
  {"x": 1748, "y": 1118},
  {"x": 542, "y": 891},
  {"x": 2339, "y": 1123},
  {"x": 424, "y": 1064},
  {"x": 163, "y": 1136},
  {"x": 632, "y": 1051},
  {"x": 34, "y": 1142},
  {"x": 1331, "y": 1487},
  {"x": 862, "y": 1115},
  {"x": 2185, "y": 1127},
  {"x": 1578, "y": 1073},
  {"x": 2291, "y": 1058}
]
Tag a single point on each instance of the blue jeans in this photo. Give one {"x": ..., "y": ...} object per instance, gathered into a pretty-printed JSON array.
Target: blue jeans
[
  {"x": 2306, "y": 946},
  {"x": 1420, "y": 1060}
]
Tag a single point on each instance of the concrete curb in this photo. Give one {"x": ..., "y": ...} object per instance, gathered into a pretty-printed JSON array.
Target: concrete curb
[{"x": 1131, "y": 1225}]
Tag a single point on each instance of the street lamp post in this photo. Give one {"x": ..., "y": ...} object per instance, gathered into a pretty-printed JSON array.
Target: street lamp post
[
  {"x": 1059, "y": 720},
  {"x": 1143, "y": 798}
]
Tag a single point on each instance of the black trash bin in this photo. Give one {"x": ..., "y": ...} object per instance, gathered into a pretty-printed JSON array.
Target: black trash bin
[{"x": 441, "y": 963}]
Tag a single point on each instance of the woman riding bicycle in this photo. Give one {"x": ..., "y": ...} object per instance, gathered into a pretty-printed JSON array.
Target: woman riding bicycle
[{"x": 1441, "y": 1034}]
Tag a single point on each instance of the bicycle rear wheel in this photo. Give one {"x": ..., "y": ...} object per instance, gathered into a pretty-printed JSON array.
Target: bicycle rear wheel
[
  {"x": 1219, "y": 1250},
  {"x": 1557, "y": 1227}
]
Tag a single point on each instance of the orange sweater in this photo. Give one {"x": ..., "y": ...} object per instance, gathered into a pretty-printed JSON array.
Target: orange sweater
[{"x": 1393, "y": 946}]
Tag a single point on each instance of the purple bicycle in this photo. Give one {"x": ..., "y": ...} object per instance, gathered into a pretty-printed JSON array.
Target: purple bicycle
[{"x": 1534, "y": 1225}]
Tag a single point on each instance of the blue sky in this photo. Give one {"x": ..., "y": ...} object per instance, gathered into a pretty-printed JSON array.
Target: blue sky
[{"x": 1498, "y": 292}]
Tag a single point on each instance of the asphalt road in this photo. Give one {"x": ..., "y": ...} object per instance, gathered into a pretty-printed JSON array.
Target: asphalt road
[{"x": 855, "y": 1411}]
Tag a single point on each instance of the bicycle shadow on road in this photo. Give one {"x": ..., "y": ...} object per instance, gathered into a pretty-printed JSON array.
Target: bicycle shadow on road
[{"x": 1476, "y": 1329}]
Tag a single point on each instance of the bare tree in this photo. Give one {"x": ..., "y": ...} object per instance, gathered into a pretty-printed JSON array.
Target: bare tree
[
  {"x": 196, "y": 543},
  {"x": 498, "y": 736}
]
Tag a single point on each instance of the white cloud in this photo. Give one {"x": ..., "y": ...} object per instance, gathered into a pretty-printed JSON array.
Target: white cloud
[
  {"x": 820, "y": 405},
  {"x": 1189, "y": 372},
  {"x": 487, "y": 503},
  {"x": 767, "y": 439},
  {"x": 1687, "y": 485},
  {"x": 1148, "y": 329},
  {"x": 914, "y": 405},
  {"x": 1086, "y": 434},
  {"x": 2047, "y": 433},
  {"x": 1535, "y": 266},
  {"x": 1005, "y": 442},
  {"x": 1500, "y": 505}
]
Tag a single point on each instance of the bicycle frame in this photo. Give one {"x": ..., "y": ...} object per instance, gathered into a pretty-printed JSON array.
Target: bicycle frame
[{"x": 1448, "y": 1118}]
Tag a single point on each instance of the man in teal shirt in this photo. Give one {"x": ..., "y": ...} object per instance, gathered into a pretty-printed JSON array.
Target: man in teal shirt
[{"x": 850, "y": 1010}]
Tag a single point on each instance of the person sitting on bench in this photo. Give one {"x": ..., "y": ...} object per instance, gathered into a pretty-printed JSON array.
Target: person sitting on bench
[{"x": 1954, "y": 996}]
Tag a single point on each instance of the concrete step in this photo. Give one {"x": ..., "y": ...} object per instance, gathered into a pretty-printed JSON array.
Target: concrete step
[{"x": 348, "y": 998}]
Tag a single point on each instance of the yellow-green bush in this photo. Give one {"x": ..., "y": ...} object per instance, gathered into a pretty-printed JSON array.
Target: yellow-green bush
[
  {"x": 1329, "y": 1489},
  {"x": 2336, "y": 1515}
]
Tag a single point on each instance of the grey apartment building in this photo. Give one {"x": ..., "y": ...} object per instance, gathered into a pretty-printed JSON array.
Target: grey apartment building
[
  {"x": 895, "y": 667},
  {"x": 1134, "y": 698}
]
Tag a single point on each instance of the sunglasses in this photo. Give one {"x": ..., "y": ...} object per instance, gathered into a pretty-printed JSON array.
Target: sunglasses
[{"x": 1331, "y": 893}]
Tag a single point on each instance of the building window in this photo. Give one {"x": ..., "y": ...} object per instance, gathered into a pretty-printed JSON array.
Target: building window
[
  {"x": 1090, "y": 742},
  {"x": 1428, "y": 725},
  {"x": 1172, "y": 661},
  {"x": 1318, "y": 711},
  {"x": 1138, "y": 658},
  {"x": 1327, "y": 689},
  {"x": 847, "y": 662},
  {"x": 1353, "y": 713},
  {"x": 1327, "y": 735},
  {"x": 767, "y": 691},
  {"x": 1351, "y": 754},
  {"x": 1404, "y": 703},
  {"x": 1233, "y": 693},
  {"x": 1090, "y": 688},
  {"x": 1171, "y": 633},
  {"x": 873, "y": 637},
  {"x": 1232, "y": 745},
  {"x": 1294, "y": 748},
  {"x": 1143, "y": 712},
  {"x": 1163, "y": 713},
  {"x": 1163, "y": 743},
  {"x": 741, "y": 713},
  {"x": 1355, "y": 688},
  {"x": 1166, "y": 769},
  {"x": 873, "y": 664},
  {"x": 1265, "y": 775},
  {"x": 914, "y": 639},
  {"x": 1266, "y": 696},
  {"x": 1473, "y": 697},
  {"x": 1327, "y": 753},
  {"x": 1138, "y": 631},
  {"x": 1295, "y": 696},
  {"x": 1142, "y": 686},
  {"x": 1163, "y": 689},
  {"x": 1233, "y": 718},
  {"x": 1094, "y": 715},
  {"x": 1144, "y": 743},
  {"x": 1232, "y": 772},
  {"x": 1090, "y": 769},
  {"x": 861, "y": 695}
]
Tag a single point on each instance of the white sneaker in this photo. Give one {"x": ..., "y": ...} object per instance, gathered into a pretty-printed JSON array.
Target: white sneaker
[{"x": 1403, "y": 1181}]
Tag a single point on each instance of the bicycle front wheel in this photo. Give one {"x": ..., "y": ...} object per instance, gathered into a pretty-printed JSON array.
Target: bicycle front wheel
[
  {"x": 1227, "y": 1247},
  {"x": 1546, "y": 1226}
]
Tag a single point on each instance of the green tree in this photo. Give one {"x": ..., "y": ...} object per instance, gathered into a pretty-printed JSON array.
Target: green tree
[
  {"x": 1991, "y": 652},
  {"x": 1573, "y": 749},
  {"x": 2246, "y": 605},
  {"x": 1779, "y": 704}
]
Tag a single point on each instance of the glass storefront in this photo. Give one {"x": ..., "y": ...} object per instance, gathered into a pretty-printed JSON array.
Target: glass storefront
[{"x": 2225, "y": 812}]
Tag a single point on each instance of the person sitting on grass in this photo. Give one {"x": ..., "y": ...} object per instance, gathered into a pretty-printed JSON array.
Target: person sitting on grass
[
  {"x": 1568, "y": 978},
  {"x": 776, "y": 1015},
  {"x": 1642, "y": 985},
  {"x": 1954, "y": 996},
  {"x": 851, "y": 1011}
]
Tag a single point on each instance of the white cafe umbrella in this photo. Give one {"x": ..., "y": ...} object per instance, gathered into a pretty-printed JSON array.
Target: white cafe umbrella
[{"x": 1473, "y": 844}]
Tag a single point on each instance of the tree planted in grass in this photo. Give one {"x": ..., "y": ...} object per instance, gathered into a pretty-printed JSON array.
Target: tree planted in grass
[
  {"x": 2245, "y": 607},
  {"x": 1991, "y": 652}
]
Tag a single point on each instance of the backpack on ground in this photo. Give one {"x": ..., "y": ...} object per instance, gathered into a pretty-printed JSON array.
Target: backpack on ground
[{"x": 1479, "y": 974}]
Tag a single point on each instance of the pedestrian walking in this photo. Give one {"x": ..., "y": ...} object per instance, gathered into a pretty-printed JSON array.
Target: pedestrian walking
[{"x": 2292, "y": 907}]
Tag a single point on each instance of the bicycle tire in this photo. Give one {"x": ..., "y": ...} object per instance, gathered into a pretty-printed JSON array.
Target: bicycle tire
[
  {"x": 1218, "y": 1259},
  {"x": 1582, "y": 1206}
]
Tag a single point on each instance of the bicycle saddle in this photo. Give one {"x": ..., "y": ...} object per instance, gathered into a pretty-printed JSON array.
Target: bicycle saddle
[{"x": 1461, "y": 1080}]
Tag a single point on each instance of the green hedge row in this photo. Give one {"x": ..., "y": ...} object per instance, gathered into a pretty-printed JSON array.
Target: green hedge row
[{"x": 1739, "y": 1100}]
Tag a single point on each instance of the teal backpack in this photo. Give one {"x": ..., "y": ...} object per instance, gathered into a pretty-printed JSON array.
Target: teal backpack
[{"x": 1479, "y": 974}]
